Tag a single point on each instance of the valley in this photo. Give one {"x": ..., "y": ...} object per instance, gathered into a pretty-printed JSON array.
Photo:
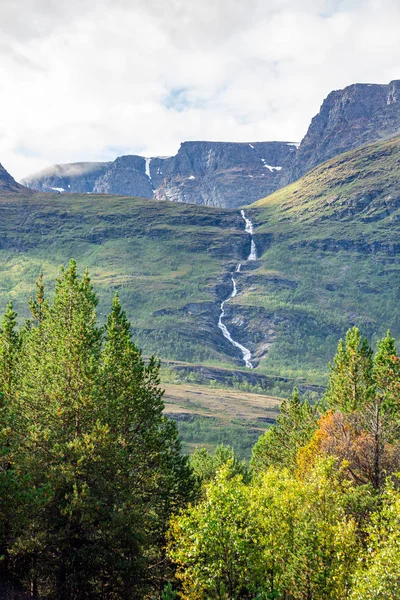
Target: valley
[{"x": 327, "y": 258}]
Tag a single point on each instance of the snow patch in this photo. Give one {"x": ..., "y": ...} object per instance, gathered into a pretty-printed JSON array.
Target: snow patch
[
  {"x": 272, "y": 169},
  {"x": 147, "y": 167},
  {"x": 57, "y": 189},
  {"x": 251, "y": 146},
  {"x": 295, "y": 144},
  {"x": 191, "y": 177}
]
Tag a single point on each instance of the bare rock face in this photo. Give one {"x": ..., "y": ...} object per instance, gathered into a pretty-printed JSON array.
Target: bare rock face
[
  {"x": 357, "y": 115},
  {"x": 8, "y": 185},
  {"x": 222, "y": 174},
  {"x": 228, "y": 175}
]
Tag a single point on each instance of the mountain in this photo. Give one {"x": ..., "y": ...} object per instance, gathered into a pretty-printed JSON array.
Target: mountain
[
  {"x": 226, "y": 174},
  {"x": 222, "y": 174},
  {"x": 73, "y": 177},
  {"x": 327, "y": 258},
  {"x": 8, "y": 185},
  {"x": 348, "y": 118}
]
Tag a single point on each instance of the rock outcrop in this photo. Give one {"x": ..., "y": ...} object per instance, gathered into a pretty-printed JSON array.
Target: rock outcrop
[
  {"x": 74, "y": 177},
  {"x": 349, "y": 118},
  {"x": 8, "y": 185},
  {"x": 221, "y": 174}
]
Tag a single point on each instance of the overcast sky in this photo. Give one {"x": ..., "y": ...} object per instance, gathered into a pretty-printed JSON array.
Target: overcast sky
[{"x": 94, "y": 79}]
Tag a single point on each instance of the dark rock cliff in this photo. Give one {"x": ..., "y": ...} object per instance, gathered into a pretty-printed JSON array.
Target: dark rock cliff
[
  {"x": 222, "y": 174},
  {"x": 8, "y": 185},
  {"x": 348, "y": 118}
]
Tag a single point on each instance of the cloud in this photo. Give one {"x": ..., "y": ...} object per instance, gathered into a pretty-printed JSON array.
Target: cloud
[{"x": 91, "y": 79}]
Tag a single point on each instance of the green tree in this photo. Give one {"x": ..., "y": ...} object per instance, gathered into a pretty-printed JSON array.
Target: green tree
[
  {"x": 100, "y": 467},
  {"x": 10, "y": 343},
  {"x": 206, "y": 464},
  {"x": 294, "y": 427},
  {"x": 365, "y": 393},
  {"x": 378, "y": 573},
  {"x": 214, "y": 543},
  {"x": 154, "y": 479},
  {"x": 350, "y": 383}
]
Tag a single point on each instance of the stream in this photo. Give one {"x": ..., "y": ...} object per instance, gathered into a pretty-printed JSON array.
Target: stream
[{"x": 252, "y": 256}]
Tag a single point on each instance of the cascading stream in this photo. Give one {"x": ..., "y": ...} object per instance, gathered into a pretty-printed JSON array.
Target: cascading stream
[{"x": 252, "y": 256}]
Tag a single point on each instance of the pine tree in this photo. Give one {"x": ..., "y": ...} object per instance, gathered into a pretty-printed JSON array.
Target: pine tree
[
  {"x": 155, "y": 480},
  {"x": 365, "y": 391},
  {"x": 9, "y": 354},
  {"x": 99, "y": 467},
  {"x": 350, "y": 384}
]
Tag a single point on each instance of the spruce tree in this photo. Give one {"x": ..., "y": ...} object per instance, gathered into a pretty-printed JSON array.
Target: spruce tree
[{"x": 365, "y": 392}]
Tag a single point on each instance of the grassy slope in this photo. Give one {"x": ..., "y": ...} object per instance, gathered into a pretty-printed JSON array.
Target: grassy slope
[
  {"x": 329, "y": 259},
  {"x": 208, "y": 416},
  {"x": 160, "y": 256},
  {"x": 334, "y": 257}
]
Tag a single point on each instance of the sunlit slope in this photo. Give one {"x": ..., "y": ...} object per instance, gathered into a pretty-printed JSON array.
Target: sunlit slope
[
  {"x": 165, "y": 259},
  {"x": 329, "y": 246}
]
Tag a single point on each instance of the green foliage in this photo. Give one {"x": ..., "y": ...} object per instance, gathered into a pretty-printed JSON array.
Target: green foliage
[
  {"x": 366, "y": 392},
  {"x": 303, "y": 528},
  {"x": 378, "y": 573},
  {"x": 294, "y": 427},
  {"x": 214, "y": 544},
  {"x": 350, "y": 384},
  {"x": 97, "y": 469},
  {"x": 277, "y": 538},
  {"x": 205, "y": 464}
]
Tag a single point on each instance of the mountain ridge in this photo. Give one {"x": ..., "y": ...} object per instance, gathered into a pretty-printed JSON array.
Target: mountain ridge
[
  {"x": 211, "y": 173},
  {"x": 229, "y": 174}
]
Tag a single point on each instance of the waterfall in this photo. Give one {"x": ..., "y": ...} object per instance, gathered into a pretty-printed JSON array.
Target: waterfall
[
  {"x": 252, "y": 256},
  {"x": 249, "y": 229}
]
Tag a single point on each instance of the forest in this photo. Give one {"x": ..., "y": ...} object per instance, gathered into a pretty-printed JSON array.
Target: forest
[{"x": 97, "y": 500}]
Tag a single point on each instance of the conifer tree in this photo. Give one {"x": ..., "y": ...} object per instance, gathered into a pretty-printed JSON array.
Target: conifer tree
[
  {"x": 9, "y": 353},
  {"x": 155, "y": 480},
  {"x": 98, "y": 466},
  {"x": 350, "y": 385},
  {"x": 365, "y": 391}
]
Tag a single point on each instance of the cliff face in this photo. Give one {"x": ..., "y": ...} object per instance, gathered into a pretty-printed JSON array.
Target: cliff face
[
  {"x": 228, "y": 175},
  {"x": 8, "y": 185},
  {"x": 222, "y": 174},
  {"x": 349, "y": 118},
  {"x": 218, "y": 174}
]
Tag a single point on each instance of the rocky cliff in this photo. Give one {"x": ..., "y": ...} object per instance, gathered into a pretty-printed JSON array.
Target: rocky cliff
[
  {"x": 8, "y": 185},
  {"x": 221, "y": 174},
  {"x": 348, "y": 118},
  {"x": 226, "y": 174}
]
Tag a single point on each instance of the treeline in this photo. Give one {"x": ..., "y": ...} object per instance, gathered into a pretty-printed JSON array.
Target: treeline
[
  {"x": 316, "y": 516},
  {"x": 98, "y": 503}
]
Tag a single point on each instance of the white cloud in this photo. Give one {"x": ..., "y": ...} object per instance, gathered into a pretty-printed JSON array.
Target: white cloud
[{"x": 91, "y": 79}]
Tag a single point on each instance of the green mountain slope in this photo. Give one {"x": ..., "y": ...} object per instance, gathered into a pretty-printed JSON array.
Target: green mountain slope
[
  {"x": 331, "y": 257},
  {"x": 165, "y": 259},
  {"x": 328, "y": 248}
]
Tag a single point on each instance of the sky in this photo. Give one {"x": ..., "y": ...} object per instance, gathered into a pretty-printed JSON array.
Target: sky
[{"x": 88, "y": 80}]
